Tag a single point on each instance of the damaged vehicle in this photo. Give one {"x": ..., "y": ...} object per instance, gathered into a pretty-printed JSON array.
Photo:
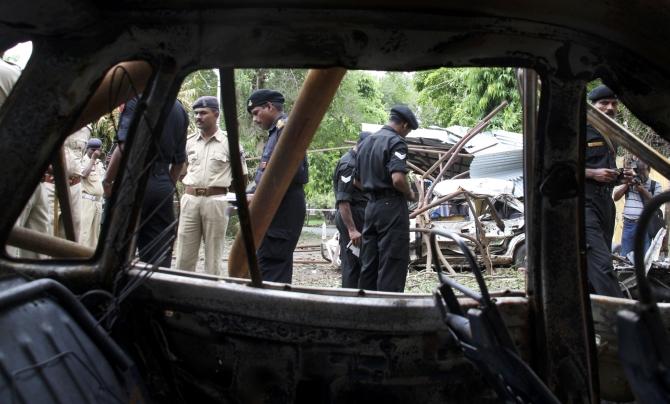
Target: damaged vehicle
[
  {"x": 485, "y": 214},
  {"x": 100, "y": 326}
]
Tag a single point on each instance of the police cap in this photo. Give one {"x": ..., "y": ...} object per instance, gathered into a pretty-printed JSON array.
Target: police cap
[
  {"x": 600, "y": 92},
  {"x": 405, "y": 114},
  {"x": 206, "y": 101},
  {"x": 260, "y": 97},
  {"x": 361, "y": 136},
  {"x": 94, "y": 143}
]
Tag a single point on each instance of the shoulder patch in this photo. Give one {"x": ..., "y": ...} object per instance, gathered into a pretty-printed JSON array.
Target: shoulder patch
[
  {"x": 596, "y": 144},
  {"x": 281, "y": 123},
  {"x": 345, "y": 179},
  {"x": 400, "y": 155}
]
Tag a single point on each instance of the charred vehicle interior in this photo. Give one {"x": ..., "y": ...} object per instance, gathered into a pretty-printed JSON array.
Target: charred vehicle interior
[{"x": 108, "y": 328}]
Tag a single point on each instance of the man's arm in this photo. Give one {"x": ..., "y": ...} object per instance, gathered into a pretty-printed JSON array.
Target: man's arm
[
  {"x": 91, "y": 163},
  {"x": 601, "y": 174},
  {"x": 345, "y": 212},
  {"x": 401, "y": 184},
  {"x": 644, "y": 192},
  {"x": 176, "y": 172},
  {"x": 619, "y": 191},
  {"x": 112, "y": 170}
]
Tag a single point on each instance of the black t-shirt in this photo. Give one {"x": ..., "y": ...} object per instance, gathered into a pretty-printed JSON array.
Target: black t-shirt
[
  {"x": 598, "y": 154},
  {"x": 274, "y": 133},
  {"x": 343, "y": 181},
  {"x": 379, "y": 156},
  {"x": 172, "y": 143}
]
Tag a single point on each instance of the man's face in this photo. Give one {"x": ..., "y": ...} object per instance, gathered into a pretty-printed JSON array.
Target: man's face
[
  {"x": 404, "y": 130},
  {"x": 643, "y": 171},
  {"x": 205, "y": 118},
  {"x": 608, "y": 106},
  {"x": 263, "y": 116}
]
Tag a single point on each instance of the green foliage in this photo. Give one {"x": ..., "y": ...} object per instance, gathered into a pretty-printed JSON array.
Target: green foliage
[{"x": 463, "y": 96}]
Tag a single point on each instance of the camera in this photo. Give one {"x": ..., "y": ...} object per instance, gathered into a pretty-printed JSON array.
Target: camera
[{"x": 637, "y": 178}]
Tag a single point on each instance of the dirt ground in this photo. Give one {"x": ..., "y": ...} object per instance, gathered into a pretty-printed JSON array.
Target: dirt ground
[{"x": 310, "y": 269}]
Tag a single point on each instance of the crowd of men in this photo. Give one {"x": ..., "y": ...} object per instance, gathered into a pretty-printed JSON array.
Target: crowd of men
[{"x": 370, "y": 183}]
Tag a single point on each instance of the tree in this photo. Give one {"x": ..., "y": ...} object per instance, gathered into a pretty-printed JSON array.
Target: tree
[{"x": 463, "y": 96}]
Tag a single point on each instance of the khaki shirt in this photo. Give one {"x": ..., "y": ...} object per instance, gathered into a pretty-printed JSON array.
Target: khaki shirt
[
  {"x": 9, "y": 74},
  {"x": 209, "y": 161},
  {"x": 92, "y": 184},
  {"x": 75, "y": 149}
]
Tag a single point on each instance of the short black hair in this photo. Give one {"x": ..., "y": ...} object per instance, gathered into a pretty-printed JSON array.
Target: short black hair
[
  {"x": 278, "y": 106},
  {"x": 396, "y": 119}
]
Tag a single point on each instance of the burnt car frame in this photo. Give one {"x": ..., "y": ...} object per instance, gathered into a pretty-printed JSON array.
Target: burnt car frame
[{"x": 199, "y": 338}]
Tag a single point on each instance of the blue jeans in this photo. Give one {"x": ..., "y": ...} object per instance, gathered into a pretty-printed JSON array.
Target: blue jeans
[{"x": 628, "y": 237}]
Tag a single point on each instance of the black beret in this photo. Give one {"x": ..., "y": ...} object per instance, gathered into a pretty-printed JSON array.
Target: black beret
[
  {"x": 206, "y": 101},
  {"x": 362, "y": 136},
  {"x": 600, "y": 92},
  {"x": 94, "y": 143},
  {"x": 406, "y": 114},
  {"x": 260, "y": 97}
]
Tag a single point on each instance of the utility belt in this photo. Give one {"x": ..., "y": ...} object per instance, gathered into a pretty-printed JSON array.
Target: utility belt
[
  {"x": 72, "y": 180},
  {"x": 160, "y": 168},
  {"x": 593, "y": 188},
  {"x": 383, "y": 194},
  {"x": 205, "y": 191},
  {"x": 90, "y": 197}
]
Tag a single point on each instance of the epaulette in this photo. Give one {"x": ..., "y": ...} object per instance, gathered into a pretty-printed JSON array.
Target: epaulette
[
  {"x": 281, "y": 123},
  {"x": 191, "y": 136}
]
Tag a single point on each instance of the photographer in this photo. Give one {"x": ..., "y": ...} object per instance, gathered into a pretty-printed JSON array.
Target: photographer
[{"x": 637, "y": 191}]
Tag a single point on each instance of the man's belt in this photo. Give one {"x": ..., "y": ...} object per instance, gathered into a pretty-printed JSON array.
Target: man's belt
[
  {"x": 383, "y": 194},
  {"x": 208, "y": 191},
  {"x": 598, "y": 188},
  {"x": 73, "y": 180},
  {"x": 90, "y": 197}
]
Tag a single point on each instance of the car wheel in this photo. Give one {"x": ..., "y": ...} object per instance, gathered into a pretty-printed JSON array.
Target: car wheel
[{"x": 520, "y": 256}]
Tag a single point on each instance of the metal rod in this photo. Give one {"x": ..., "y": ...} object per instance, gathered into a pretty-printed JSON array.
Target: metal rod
[
  {"x": 418, "y": 170},
  {"x": 42, "y": 243},
  {"x": 314, "y": 99},
  {"x": 620, "y": 135},
  {"x": 461, "y": 175},
  {"x": 437, "y": 202},
  {"x": 461, "y": 143},
  {"x": 229, "y": 103},
  {"x": 63, "y": 194}
]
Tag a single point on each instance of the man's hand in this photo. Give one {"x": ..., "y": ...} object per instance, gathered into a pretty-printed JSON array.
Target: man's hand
[
  {"x": 355, "y": 237},
  {"x": 628, "y": 175},
  {"x": 96, "y": 154},
  {"x": 107, "y": 188},
  {"x": 602, "y": 174}
]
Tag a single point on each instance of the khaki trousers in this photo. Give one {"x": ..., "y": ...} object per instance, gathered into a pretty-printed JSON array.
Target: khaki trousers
[
  {"x": 202, "y": 218},
  {"x": 91, "y": 213},
  {"x": 75, "y": 204},
  {"x": 35, "y": 216}
]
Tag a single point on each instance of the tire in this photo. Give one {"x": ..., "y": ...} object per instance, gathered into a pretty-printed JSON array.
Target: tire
[{"x": 520, "y": 256}]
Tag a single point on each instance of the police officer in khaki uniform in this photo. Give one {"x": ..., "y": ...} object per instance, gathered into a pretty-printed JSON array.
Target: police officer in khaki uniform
[
  {"x": 599, "y": 211},
  {"x": 35, "y": 214},
  {"x": 9, "y": 75},
  {"x": 74, "y": 149},
  {"x": 275, "y": 253},
  {"x": 207, "y": 181},
  {"x": 93, "y": 171},
  {"x": 381, "y": 170}
]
